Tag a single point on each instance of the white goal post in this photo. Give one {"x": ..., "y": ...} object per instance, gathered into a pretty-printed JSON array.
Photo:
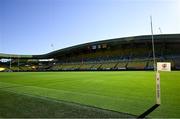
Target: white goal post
[{"x": 161, "y": 66}]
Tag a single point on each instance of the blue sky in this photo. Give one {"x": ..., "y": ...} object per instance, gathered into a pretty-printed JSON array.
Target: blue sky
[{"x": 31, "y": 26}]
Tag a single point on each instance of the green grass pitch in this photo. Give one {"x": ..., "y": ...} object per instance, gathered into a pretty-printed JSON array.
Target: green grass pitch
[{"x": 40, "y": 94}]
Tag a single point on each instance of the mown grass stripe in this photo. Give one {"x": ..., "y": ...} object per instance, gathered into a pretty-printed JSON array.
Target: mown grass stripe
[
  {"x": 79, "y": 110},
  {"x": 131, "y": 92}
]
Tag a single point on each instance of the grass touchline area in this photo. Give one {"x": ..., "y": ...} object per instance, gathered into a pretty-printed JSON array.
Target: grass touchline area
[{"x": 131, "y": 92}]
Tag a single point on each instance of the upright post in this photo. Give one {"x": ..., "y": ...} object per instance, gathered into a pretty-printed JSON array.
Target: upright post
[
  {"x": 153, "y": 49},
  {"x": 158, "y": 95},
  {"x": 158, "y": 88}
]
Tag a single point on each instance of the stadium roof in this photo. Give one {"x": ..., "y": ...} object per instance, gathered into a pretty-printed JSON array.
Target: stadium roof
[
  {"x": 134, "y": 39},
  {"x": 2, "y": 55}
]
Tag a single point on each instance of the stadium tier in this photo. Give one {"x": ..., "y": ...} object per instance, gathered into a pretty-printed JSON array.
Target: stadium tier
[
  {"x": 129, "y": 53},
  {"x": 137, "y": 64}
]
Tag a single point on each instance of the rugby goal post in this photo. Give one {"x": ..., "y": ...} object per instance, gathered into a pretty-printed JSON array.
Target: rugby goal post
[{"x": 161, "y": 66}]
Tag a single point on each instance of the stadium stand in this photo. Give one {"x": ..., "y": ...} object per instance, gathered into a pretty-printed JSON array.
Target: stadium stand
[
  {"x": 86, "y": 66},
  {"x": 96, "y": 66},
  {"x": 122, "y": 65},
  {"x": 129, "y": 53},
  {"x": 176, "y": 62},
  {"x": 108, "y": 65},
  {"x": 137, "y": 64}
]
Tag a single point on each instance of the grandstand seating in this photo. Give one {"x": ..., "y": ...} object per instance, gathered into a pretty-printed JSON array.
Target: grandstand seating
[
  {"x": 56, "y": 67},
  {"x": 118, "y": 54},
  {"x": 140, "y": 52},
  {"x": 108, "y": 66},
  {"x": 136, "y": 65},
  {"x": 177, "y": 63},
  {"x": 26, "y": 68},
  {"x": 96, "y": 66},
  {"x": 15, "y": 68},
  {"x": 121, "y": 65},
  {"x": 86, "y": 66},
  {"x": 69, "y": 66},
  {"x": 111, "y": 64},
  {"x": 172, "y": 49}
]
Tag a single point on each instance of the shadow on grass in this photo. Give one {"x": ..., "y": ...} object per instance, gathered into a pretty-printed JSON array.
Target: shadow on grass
[
  {"x": 17, "y": 105},
  {"x": 143, "y": 115}
]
